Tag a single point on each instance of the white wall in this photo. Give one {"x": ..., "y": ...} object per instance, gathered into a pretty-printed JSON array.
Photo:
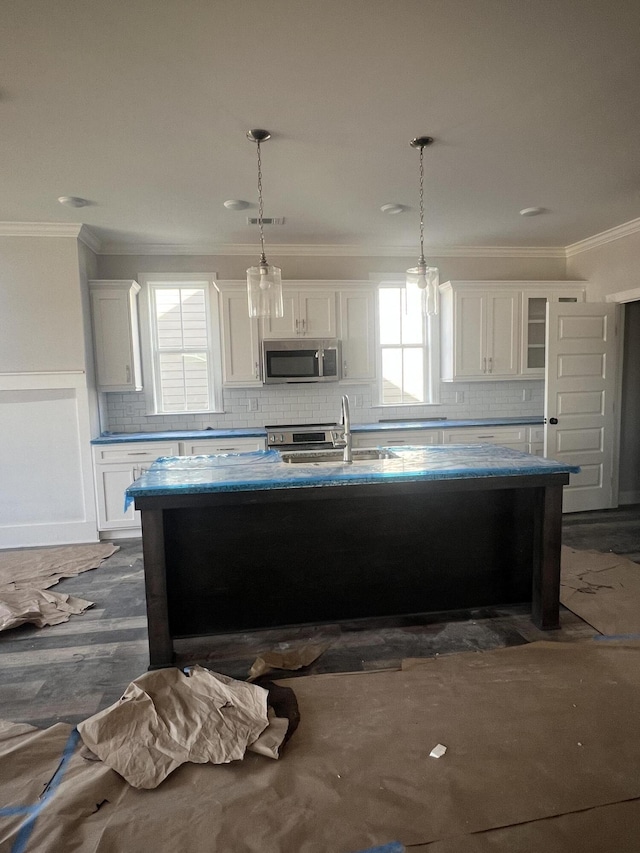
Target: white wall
[
  {"x": 609, "y": 268},
  {"x": 40, "y": 305},
  {"x": 612, "y": 268},
  {"x": 299, "y": 267},
  {"x": 45, "y": 428}
]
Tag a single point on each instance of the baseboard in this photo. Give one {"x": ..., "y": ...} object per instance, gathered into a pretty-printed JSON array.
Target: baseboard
[{"x": 123, "y": 533}]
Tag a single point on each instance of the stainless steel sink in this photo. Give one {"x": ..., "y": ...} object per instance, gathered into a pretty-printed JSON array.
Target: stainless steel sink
[{"x": 359, "y": 455}]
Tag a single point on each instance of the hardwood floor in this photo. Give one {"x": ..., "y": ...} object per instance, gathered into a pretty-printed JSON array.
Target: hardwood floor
[{"x": 68, "y": 672}]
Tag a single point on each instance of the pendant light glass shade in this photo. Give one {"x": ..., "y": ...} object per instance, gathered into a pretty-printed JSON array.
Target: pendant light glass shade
[
  {"x": 264, "y": 281},
  {"x": 264, "y": 290},
  {"x": 422, "y": 281}
]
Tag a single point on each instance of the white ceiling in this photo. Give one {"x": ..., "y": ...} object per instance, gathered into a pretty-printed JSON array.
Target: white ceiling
[{"x": 141, "y": 107}]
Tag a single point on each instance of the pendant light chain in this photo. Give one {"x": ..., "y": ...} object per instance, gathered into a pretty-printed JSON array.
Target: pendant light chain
[
  {"x": 422, "y": 260},
  {"x": 263, "y": 259}
]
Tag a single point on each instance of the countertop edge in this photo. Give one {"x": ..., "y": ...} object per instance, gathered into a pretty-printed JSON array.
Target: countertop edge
[{"x": 260, "y": 432}]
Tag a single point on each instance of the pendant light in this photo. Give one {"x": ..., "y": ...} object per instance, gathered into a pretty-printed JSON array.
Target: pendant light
[
  {"x": 425, "y": 278},
  {"x": 264, "y": 281}
]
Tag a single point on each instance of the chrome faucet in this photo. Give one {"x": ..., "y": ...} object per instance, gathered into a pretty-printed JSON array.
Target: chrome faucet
[{"x": 345, "y": 419}]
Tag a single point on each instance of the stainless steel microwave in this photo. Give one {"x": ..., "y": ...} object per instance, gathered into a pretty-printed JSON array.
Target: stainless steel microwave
[{"x": 301, "y": 360}]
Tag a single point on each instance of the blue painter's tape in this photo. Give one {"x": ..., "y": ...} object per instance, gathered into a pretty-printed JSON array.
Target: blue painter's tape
[
  {"x": 10, "y": 811},
  {"x": 605, "y": 637},
  {"x": 392, "y": 847},
  {"x": 24, "y": 833}
]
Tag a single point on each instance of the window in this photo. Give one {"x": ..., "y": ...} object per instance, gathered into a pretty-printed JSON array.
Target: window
[
  {"x": 408, "y": 360},
  {"x": 183, "y": 353}
]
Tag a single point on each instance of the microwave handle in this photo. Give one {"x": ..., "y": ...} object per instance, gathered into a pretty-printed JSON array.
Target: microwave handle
[{"x": 320, "y": 357}]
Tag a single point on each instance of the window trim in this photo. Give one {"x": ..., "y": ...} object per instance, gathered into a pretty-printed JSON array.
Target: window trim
[
  {"x": 430, "y": 348},
  {"x": 148, "y": 281}
]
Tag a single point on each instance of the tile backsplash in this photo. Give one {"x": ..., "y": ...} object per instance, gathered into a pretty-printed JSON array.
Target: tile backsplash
[{"x": 255, "y": 407}]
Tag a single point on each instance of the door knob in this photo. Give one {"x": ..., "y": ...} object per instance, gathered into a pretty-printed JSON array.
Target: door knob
[{"x": 551, "y": 420}]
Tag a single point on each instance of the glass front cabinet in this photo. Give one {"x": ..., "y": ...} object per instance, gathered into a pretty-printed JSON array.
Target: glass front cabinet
[{"x": 534, "y": 332}]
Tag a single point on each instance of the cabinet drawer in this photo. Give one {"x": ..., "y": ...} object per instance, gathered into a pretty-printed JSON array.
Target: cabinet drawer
[
  {"x": 408, "y": 438},
  {"x": 134, "y": 452},
  {"x": 491, "y": 435},
  {"x": 206, "y": 446}
]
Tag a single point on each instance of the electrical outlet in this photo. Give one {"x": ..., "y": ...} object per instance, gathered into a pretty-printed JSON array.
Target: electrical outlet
[
  {"x": 358, "y": 401},
  {"x": 253, "y": 404},
  {"x": 526, "y": 395},
  {"x": 459, "y": 396}
]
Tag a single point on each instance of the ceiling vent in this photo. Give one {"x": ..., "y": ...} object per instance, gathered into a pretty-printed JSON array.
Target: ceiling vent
[{"x": 266, "y": 220}]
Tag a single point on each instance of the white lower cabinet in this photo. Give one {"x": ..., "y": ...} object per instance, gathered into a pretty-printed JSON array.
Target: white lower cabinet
[
  {"x": 536, "y": 441},
  {"x": 205, "y": 446},
  {"x": 399, "y": 438},
  {"x": 116, "y": 466},
  {"x": 504, "y": 436}
]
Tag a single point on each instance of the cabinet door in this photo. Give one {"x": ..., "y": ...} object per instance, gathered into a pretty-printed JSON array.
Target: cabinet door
[
  {"x": 502, "y": 316},
  {"x": 317, "y": 311},
  {"x": 111, "y": 482},
  {"x": 287, "y": 326},
  {"x": 357, "y": 323},
  {"x": 241, "y": 353},
  {"x": 469, "y": 335},
  {"x": 114, "y": 320},
  {"x": 206, "y": 447},
  {"x": 534, "y": 309}
]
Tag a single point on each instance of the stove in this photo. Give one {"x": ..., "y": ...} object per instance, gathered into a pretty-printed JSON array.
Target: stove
[{"x": 304, "y": 436}]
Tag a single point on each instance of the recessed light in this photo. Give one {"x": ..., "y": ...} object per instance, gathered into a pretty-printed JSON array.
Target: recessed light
[
  {"x": 532, "y": 211},
  {"x": 73, "y": 201},
  {"x": 236, "y": 204},
  {"x": 392, "y": 209}
]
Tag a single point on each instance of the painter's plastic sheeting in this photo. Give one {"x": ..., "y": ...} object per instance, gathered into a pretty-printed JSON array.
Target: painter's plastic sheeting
[
  {"x": 603, "y": 589},
  {"x": 168, "y": 717},
  {"x": 294, "y": 656},
  {"x": 26, "y": 574},
  {"x": 358, "y": 773}
]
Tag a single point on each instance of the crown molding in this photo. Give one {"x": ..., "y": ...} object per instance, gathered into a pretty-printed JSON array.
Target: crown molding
[
  {"x": 331, "y": 250},
  {"x": 40, "y": 229},
  {"x": 336, "y": 250},
  {"x": 86, "y": 236},
  {"x": 624, "y": 230}
]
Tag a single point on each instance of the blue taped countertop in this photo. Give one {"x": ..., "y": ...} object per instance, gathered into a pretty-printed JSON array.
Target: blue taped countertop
[
  {"x": 179, "y": 435},
  {"x": 264, "y": 469},
  {"x": 530, "y": 420},
  {"x": 260, "y": 432}
]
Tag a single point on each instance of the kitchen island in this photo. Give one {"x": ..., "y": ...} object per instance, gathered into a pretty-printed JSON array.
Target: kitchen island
[{"x": 244, "y": 541}]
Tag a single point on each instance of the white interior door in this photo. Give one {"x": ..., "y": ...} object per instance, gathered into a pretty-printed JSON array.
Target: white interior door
[{"x": 579, "y": 399}]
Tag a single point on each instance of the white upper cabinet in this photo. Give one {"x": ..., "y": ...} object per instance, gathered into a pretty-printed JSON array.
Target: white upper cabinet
[
  {"x": 494, "y": 330},
  {"x": 240, "y": 341},
  {"x": 116, "y": 341},
  {"x": 357, "y": 333},
  {"x": 534, "y": 307},
  {"x": 308, "y": 312},
  {"x": 479, "y": 331}
]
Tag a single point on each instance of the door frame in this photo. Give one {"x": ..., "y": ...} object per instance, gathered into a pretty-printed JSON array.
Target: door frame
[{"x": 620, "y": 298}]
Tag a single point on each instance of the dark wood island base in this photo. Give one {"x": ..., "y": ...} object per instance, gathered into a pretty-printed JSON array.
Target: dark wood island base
[{"x": 223, "y": 561}]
